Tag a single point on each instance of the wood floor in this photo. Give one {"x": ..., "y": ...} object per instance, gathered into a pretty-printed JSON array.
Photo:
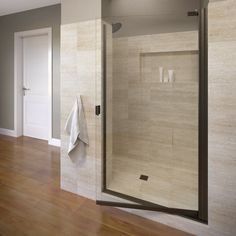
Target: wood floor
[{"x": 31, "y": 202}]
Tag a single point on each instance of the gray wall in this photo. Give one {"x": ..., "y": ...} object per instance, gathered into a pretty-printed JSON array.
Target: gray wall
[
  {"x": 28, "y": 20},
  {"x": 141, "y": 17},
  {"x": 80, "y": 10},
  {"x": 148, "y": 7}
]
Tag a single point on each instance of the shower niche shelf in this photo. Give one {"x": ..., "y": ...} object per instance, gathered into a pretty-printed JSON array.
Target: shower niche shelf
[{"x": 169, "y": 67}]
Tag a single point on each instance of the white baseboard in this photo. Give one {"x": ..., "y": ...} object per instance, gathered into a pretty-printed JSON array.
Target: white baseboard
[
  {"x": 55, "y": 142},
  {"x": 8, "y": 132},
  {"x": 12, "y": 133}
]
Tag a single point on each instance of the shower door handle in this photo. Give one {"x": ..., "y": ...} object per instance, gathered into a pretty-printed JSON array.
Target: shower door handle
[{"x": 98, "y": 110}]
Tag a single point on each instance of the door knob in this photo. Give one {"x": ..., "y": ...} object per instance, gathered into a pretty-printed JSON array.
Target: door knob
[{"x": 25, "y": 89}]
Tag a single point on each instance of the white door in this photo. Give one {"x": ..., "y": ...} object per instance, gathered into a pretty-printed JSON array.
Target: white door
[{"x": 36, "y": 100}]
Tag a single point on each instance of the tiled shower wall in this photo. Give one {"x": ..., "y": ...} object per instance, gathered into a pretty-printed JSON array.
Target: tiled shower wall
[
  {"x": 154, "y": 122},
  {"x": 136, "y": 87},
  {"x": 222, "y": 113}
]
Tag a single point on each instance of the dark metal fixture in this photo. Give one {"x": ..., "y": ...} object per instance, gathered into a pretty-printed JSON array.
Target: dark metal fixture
[
  {"x": 143, "y": 177},
  {"x": 116, "y": 27},
  {"x": 98, "y": 110},
  {"x": 193, "y": 13}
]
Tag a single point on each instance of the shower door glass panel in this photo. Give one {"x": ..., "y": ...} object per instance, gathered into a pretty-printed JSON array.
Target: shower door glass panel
[{"x": 150, "y": 107}]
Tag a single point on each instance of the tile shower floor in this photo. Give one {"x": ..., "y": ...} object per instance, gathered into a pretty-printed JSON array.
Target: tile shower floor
[{"x": 167, "y": 185}]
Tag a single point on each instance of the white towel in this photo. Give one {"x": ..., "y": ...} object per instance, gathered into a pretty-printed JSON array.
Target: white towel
[{"x": 76, "y": 126}]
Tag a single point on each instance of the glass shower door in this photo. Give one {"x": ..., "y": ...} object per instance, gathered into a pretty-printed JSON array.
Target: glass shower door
[{"x": 149, "y": 131}]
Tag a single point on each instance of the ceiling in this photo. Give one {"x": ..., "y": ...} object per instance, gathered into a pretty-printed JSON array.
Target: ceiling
[{"x": 13, "y": 6}]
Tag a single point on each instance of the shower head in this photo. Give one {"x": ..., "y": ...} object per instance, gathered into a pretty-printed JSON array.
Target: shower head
[{"x": 116, "y": 27}]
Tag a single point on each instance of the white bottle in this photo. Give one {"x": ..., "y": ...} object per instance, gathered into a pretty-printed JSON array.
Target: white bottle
[
  {"x": 161, "y": 71},
  {"x": 171, "y": 76}
]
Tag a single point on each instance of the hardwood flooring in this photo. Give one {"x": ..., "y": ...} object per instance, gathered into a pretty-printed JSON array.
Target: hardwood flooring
[{"x": 32, "y": 203}]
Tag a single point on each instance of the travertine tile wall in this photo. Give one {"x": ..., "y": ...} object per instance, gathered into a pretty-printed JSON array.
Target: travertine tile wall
[
  {"x": 78, "y": 74},
  {"x": 222, "y": 116}
]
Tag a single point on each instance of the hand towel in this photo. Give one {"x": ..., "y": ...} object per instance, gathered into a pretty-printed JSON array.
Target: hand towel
[{"x": 76, "y": 126}]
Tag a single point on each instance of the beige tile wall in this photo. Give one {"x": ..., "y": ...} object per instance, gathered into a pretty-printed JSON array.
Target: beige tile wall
[
  {"x": 222, "y": 116},
  {"x": 78, "y": 73}
]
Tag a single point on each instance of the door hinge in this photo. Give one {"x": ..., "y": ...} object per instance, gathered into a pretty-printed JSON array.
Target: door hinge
[{"x": 98, "y": 110}]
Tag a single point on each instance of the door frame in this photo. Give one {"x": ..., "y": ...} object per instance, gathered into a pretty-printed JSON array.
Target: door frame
[
  {"x": 200, "y": 215},
  {"x": 18, "y": 77}
]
